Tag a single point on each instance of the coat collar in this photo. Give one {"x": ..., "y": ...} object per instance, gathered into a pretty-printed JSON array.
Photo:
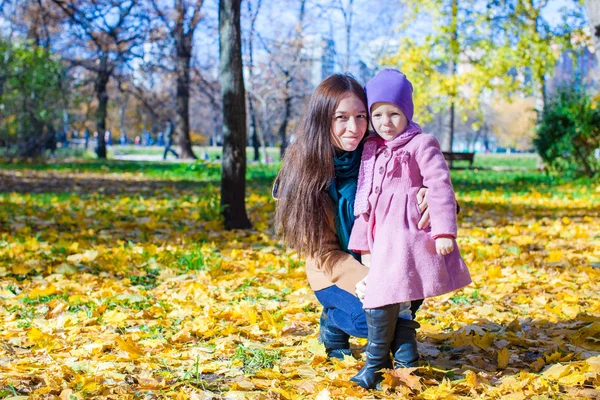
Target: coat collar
[
  {"x": 367, "y": 166},
  {"x": 411, "y": 131}
]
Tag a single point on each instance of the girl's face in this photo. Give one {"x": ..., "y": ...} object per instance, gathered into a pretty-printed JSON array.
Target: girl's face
[
  {"x": 388, "y": 120},
  {"x": 349, "y": 123}
]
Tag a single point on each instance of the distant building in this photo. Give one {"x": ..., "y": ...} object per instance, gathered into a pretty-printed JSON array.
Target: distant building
[
  {"x": 364, "y": 72},
  {"x": 319, "y": 52},
  {"x": 575, "y": 68}
]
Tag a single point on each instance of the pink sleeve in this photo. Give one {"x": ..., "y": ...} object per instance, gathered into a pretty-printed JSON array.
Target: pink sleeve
[
  {"x": 358, "y": 238},
  {"x": 440, "y": 197}
]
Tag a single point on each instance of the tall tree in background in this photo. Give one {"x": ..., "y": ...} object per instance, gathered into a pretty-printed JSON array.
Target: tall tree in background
[
  {"x": 233, "y": 180},
  {"x": 257, "y": 141},
  {"x": 452, "y": 69},
  {"x": 30, "y": 101},
  {"x": 433, "y": 66},
  {"x": 593, "y": 12},
  {"x": 102, "y": 45},
  {"x": 287, "y": 58},
  {"x": 347, "y": 11},
  {"x": 532, "y": 43},
  {"x": 502, "y": 48},
  {"x": 513, "y": 123},
  {"x": 181, "y": 27},
  {"x": 7, "y": 10},
  {"x": 33, "y": 88}
]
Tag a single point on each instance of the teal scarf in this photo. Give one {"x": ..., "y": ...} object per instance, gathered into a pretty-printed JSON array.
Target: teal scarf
[{"x": 343, "y": 192}]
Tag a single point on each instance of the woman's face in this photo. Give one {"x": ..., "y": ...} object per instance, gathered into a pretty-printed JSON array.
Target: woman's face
[{"x": 349, "y": 123}]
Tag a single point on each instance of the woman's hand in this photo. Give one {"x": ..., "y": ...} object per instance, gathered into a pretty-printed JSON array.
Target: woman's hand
[
  {"x": 360, "y": 288},
  {"x": 425, "y": 221}
]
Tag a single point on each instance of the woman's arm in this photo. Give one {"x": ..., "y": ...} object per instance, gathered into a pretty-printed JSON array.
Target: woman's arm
[
  {"x": 425, "y": 221},
  {"x": 339, "y": 267}
]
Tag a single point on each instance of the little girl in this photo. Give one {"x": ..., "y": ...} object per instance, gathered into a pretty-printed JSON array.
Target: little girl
[{"x": 406, "y": 263}]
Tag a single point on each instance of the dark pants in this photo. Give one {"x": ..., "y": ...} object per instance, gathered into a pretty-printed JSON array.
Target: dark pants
[
  {"x": 168, "y": 149},
  {"x": 345, "y": 311}
]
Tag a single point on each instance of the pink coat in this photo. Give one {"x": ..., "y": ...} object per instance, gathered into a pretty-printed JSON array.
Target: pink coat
[{"x": 404, "y": 262}]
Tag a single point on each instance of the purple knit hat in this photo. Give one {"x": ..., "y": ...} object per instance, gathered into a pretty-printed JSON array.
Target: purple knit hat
[{"x": 391, "y": 86}]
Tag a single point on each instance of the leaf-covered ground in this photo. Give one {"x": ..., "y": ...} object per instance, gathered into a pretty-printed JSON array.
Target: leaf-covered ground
[{"x": 118, "y": 281}]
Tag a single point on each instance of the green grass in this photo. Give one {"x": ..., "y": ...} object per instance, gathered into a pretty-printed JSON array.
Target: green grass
[
  {"x": 526, "y": 161},
  {"x": 197, "y": 171},
  {"x": 212, "y": 151},
  {"x": 256, "y": 359},
  {"x": 497, "y": 175}
]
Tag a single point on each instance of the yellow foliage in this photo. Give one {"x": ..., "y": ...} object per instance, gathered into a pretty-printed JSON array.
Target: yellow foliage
[
  {"x": 503, "y": 357},
  {"x": 513, "y": 122},
  {"x": 159, "y": 300}
]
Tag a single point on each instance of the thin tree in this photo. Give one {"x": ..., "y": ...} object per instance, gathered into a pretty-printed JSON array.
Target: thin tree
[
  {"x": 181, "y": 28},
  {"x": 347, "y": 12},
  {"x": 233, "y": 181},
  {"x": 105, "y": 45},
  {"x": 287, "y": 57},
  {"x": 256, "y": 140},
  {"x": 452, "y": 67}
]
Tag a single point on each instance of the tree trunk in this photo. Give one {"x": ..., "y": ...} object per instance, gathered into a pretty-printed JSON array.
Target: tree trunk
[
  {"x": 593, "y": 12},
  {"x": 233, "y": 180},
  {"x": 540, "y": 94},
  {"x": 102, "y": 95},
  {"x": 286, "y": 116},
  {"x": 122, "y": 117},
  {"x": 182, "y": 117},
  {"x": 254, "y": 131},
  {"x": 454, "y": 52},
  {"x": 348, "y": 35},
  {"x": 256, "y": 142}
]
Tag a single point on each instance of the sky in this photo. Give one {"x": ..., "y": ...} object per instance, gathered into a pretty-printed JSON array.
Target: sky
[{"x": 375, "y": 24}]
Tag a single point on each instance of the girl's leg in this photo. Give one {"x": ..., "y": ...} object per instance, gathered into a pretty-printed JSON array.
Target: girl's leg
[
  {"x": 381, "y": 326},
  {"x": 404, "y": 346},
  {"x": 414, "y": 307},
  {"x": 345, "y": 311}
]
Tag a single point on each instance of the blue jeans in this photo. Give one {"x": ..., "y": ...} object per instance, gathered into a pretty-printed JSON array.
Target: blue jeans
[{"x": 345, "y": 311}]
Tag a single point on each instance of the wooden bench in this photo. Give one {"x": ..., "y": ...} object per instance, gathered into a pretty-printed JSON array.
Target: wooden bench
[
  {"x": 459, "y": 157},
  {"x": 77, "y": 143}
]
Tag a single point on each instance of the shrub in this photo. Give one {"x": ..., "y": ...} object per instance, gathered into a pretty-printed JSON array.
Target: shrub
[
  {"x": 568, "y": 135},
  {"x": 31, "y": 99}
]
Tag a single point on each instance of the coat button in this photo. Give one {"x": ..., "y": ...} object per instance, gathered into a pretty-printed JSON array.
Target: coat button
[
  {"x": 386, "y": 152},
  {"x": 381, "y": 170},
  {"x": 377, "y": 189}
]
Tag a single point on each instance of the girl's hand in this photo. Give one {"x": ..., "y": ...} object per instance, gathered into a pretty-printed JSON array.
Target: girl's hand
[
  {"x": 425, "y": 221},
  {"x": 365, "y": 259},
  {"x": 444, "y": 245},
  {"x": 360, "y": 288}
]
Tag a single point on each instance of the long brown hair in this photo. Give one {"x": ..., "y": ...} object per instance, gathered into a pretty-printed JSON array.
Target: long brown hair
[{"x": 304, "y": 208}]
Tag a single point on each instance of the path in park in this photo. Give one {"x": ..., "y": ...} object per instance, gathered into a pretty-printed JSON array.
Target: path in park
[{"x": 146, "y": 157}]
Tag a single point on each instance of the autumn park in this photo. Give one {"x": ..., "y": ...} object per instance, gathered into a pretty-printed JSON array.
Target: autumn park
[{"x": 161, "y": 170}]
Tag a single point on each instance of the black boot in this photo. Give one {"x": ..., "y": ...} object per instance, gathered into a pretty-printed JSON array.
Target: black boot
[
  {"x": 336, "y": 341},
  {"x": 381, "y": 324},
  {"x": 404, "y": 346}
]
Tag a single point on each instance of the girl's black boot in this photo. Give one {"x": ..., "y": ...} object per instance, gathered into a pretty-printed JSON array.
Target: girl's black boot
[
  {"x": 404, "y": 346},
  {"x": 381, "y": 323}
]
